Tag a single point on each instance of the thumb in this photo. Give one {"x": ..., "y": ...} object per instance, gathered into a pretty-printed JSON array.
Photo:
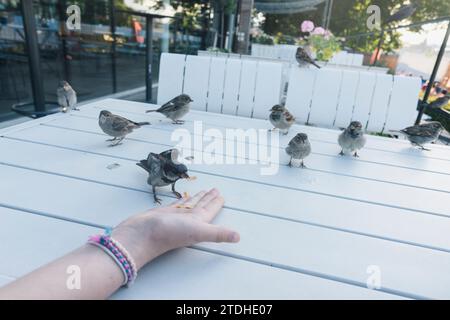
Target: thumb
[{"x": 213, "y": 233}]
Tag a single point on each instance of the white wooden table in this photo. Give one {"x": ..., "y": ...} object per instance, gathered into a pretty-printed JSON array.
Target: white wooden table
[{"x": 311, "y": 233}]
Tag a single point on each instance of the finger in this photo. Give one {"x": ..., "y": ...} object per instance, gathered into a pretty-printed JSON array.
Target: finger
[
  {"x": 213, "y": 233},
  {"x": 211, "y": 209},
  {"x": 193, "y": 202},
  {"x": 208, "y": 197}
]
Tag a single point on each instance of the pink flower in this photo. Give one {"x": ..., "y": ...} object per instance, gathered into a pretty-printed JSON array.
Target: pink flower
[
  {"x": 307, "y": 26},
  {"x": 319, "y": 31}
]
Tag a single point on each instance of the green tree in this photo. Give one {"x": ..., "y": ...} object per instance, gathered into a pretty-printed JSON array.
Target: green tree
[{"x": 349, "y": 18}]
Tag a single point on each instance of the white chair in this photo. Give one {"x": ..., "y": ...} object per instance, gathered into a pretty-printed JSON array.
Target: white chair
[{"x": 327, "y": 97}]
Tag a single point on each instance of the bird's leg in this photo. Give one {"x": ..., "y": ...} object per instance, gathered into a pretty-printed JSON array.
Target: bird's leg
[
  {"x": 272, "y": 130},
  {"x": 303, "y": 164},
  {"x": 111, "y": 140},
  {"x": 177, "y": 194},
  {"x": 118, "y": 142},
  {"x": 342, "y": 153},
  {"x": 157, "y": 200},
  {"x": 285, "y": 133},
  {"x": 178, "y": 122},
  {"x": 424, "y": 149},
  {"x": 290, "y": 163},
  {"x": 356, "y": 154}
]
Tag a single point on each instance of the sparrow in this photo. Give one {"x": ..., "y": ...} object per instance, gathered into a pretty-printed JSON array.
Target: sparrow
[
  {"x": 176, "y": 108},
  {"x": 67, "y": 97},
  {"x": 163, "y": 170},
  {"x": 352, "y": 139},
  {"x": 117, "y": 126},
  {"x": 402, "y": 13},
  {"x": 299, "y": 148},
  {"x": 423, "y": 133},
  {"x": 439, "y": 102},
  {"x": 281, "y": 118},
  {"x": 303, "y": 58}
]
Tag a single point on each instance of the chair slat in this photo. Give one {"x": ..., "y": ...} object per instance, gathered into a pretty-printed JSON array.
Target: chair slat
[
  {"x": 380, "y": 102},
  {"x": 268, "y": 88},
  {"x": 216, "y": 84},
  {"x": 325, "y": 97},
  {"x": 347, "y": 98},
  {"x": 364, "y": 97},
  {"x": 231, "y": 88},
  {"x": 403, "y": 104},
  {"x": 171, "y": 74},
  {"x": 247, "y": 88},
  {"x": 301, "y": 83},
  {"x": 196, "y": 80}
]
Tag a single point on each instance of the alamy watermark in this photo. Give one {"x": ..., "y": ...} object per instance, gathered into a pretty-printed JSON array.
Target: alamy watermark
[
  {"x": 73, "y": 21},
  {"x": 234, "y": 146},
  {"x": 374, "y": 20},
  {"x": 374, "y": 280},
  {"x": 73, "y": 281}
]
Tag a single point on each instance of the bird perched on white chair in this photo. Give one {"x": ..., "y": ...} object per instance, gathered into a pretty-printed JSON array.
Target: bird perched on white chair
[
  {"x": 403, "y": 12},
  {"x": 281, "y": 118},
  {"x": 422, "y": 134},
  {"x": 163, "y": 170},
  {"x": 67, "y": 97},
  {"x": 176, "y": 108},
  {"x": 299, "y": 148},
  {"x": 304, "y": 59},
  {"x": 352, "y": 139},
  {"x": 117, "y": 126}
]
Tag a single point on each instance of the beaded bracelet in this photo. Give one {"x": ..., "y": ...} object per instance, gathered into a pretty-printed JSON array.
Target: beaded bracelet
[{"x": 119, "y": 254}]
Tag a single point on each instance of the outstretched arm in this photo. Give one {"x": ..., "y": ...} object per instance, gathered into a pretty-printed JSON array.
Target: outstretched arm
[{"x": 145, "y": 236}]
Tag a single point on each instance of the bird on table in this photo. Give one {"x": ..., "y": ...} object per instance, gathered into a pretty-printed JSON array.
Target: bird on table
[
  {"x": 352, "y": 139},
  {"x": 422, "y": 134},
  {"x": 281, "y": 118},
  {"x": 163, "y": 170},
  {"x": 299, "y": 148},
  {"x": 176, "y": 108},
  {"x": 116, "y": 126},
  {"x": 303, "y": 58},
  {"x": 67, "y": 97}
]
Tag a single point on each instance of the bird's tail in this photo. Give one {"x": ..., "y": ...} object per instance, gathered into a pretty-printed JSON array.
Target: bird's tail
[
  {"x": 140, "y": 124},
  {"x": 397, "y": 132},
  {"x": 316, "y": 65},
  {"x": 148, "y": 111},
  {"x": 143, "y": 165}
]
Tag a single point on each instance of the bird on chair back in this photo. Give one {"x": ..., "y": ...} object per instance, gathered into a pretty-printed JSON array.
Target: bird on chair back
[
  {"x": 176, "y": 108},
  {"x": 303, "y": 58}
]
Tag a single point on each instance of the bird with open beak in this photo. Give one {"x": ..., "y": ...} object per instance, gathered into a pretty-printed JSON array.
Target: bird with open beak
[{"x": 163, "y": 170}]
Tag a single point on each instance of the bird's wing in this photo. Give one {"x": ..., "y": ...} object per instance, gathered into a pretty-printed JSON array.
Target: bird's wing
[
  {"x": 419, "y": 131},
  {"x": 168, "y": 107},
  {"x": 62, "y": 100},
  {"x": 119, "y": 123},
  {"x": 170, "y": 155},
  {"x": 289, "y": 117},
  {"x": 72, "y": 98}
]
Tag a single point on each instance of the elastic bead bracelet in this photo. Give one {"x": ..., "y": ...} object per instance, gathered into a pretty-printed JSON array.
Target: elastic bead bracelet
[{"x": 119, "y": 254}]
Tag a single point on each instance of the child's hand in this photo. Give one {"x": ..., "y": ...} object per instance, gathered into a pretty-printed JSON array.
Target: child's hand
[{"x": 184, "y": 223}]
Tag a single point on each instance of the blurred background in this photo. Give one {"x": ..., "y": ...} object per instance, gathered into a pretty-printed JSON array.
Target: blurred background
[{"x": 108, "y": 54}]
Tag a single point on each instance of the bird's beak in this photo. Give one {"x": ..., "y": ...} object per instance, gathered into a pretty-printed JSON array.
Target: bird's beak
[
  {"x": 184, "y": 176},
  {"x": 191, "y": 100}
]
